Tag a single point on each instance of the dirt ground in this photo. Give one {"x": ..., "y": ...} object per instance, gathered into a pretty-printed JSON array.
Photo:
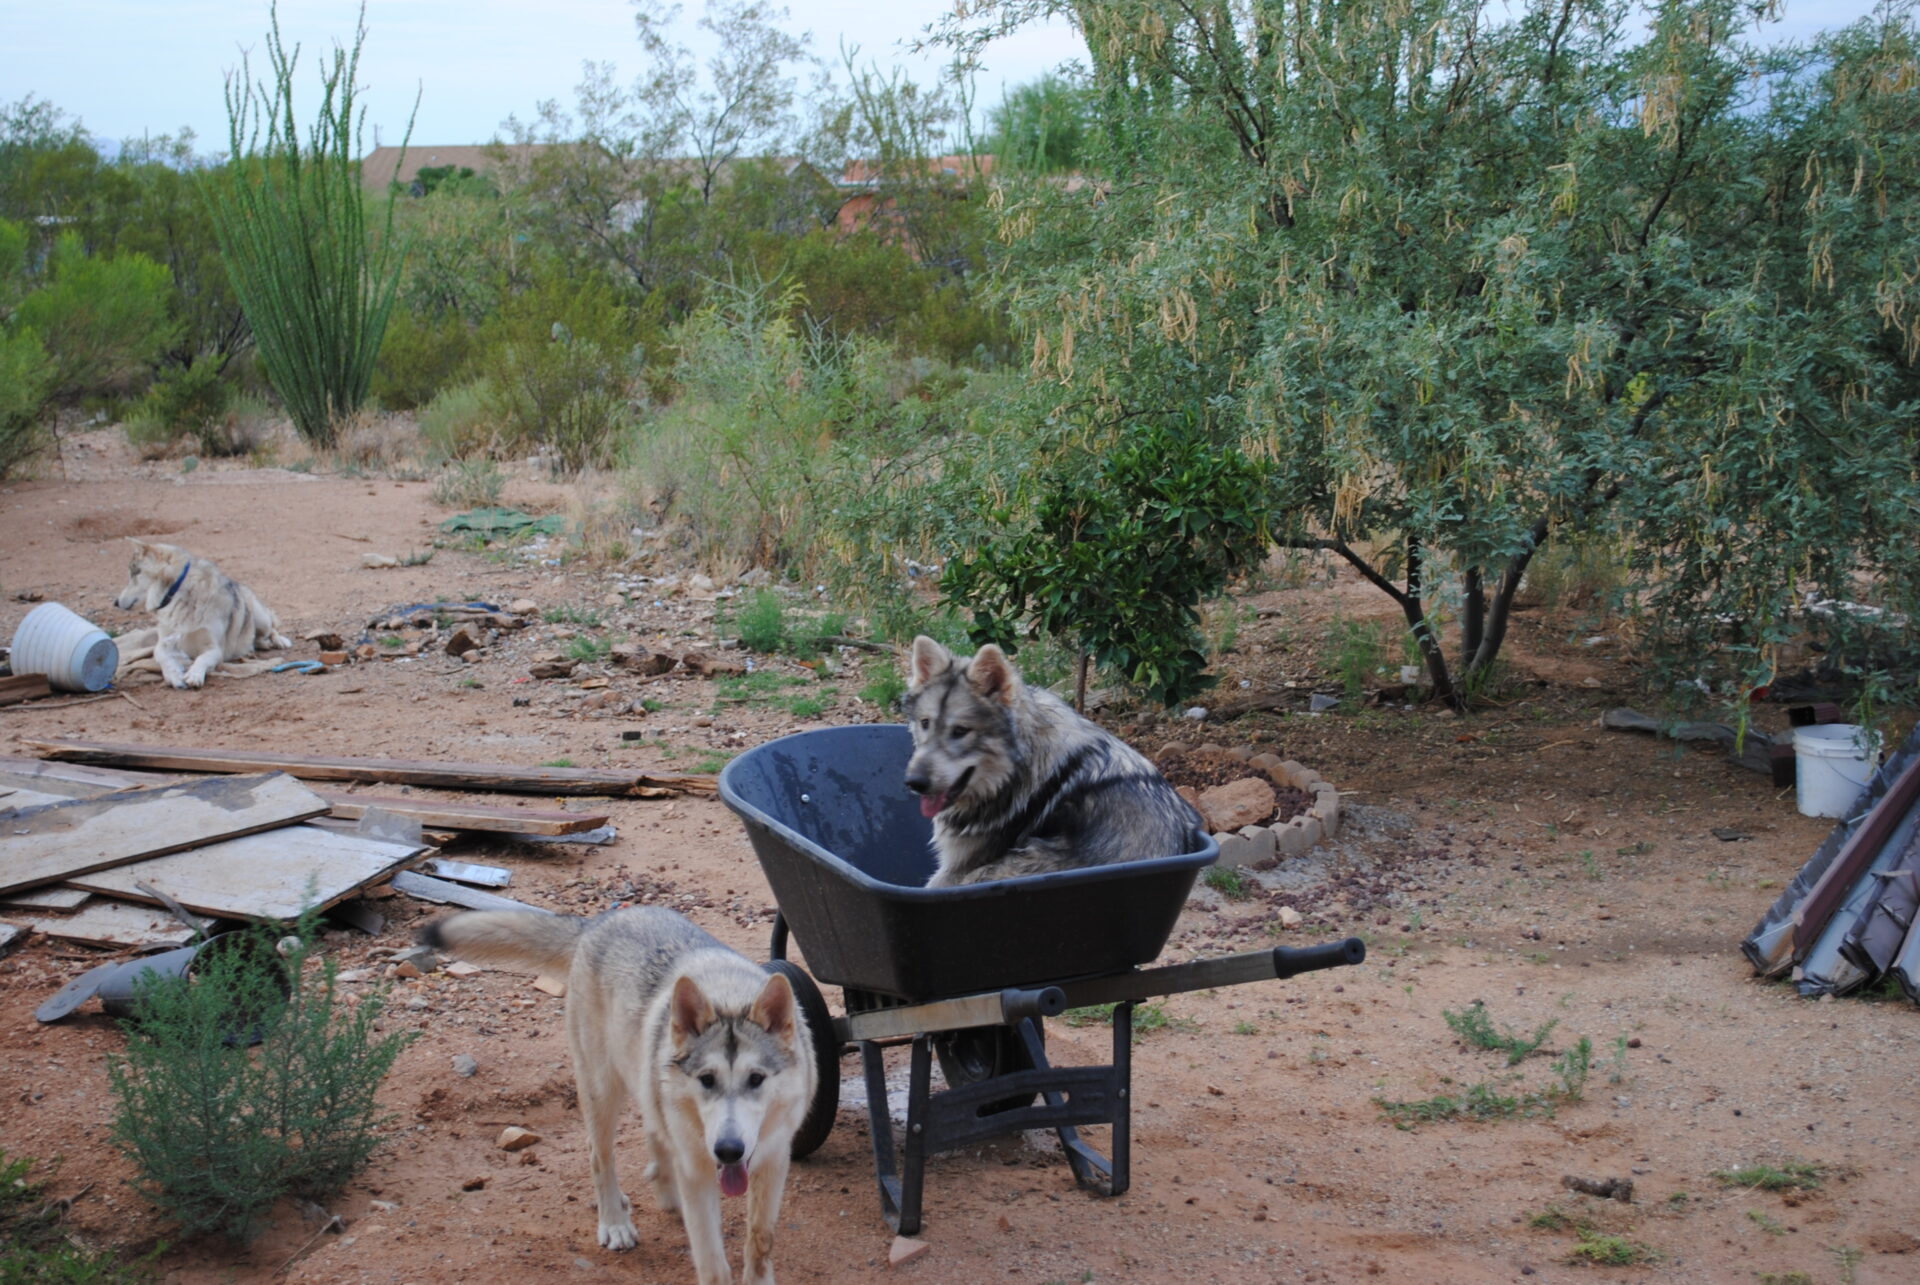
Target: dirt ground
[{"x": 1523, "y": 857}]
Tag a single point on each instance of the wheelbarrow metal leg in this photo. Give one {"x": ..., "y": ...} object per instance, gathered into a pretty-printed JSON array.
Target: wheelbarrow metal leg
[
  {"x": 880, "y": 1124},
  {"x": 901, "y": 1174}
]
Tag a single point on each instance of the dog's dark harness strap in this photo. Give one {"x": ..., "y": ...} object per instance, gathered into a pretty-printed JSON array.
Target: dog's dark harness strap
[
  {"x": 1044, "y": 801},
  {"x": 175, "y": 586}
]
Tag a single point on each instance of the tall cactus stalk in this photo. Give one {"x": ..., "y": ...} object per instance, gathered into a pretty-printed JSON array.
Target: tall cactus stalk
[{"x": 292, "y": 224}]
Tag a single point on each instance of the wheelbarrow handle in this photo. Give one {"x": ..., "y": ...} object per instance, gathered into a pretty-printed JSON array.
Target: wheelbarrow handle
[
  {"x": 1291, "y": 961},
  {"x": 1044, "y": 1001}
]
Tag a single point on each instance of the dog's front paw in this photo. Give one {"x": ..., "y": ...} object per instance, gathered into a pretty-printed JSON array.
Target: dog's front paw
[{"x": 619, "y": 1235}]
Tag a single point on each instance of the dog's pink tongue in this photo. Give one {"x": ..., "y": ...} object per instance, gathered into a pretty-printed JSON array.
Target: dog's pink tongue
[
  {"x": 930, "y": 804},
  {"x": 733, "y": 1180}
]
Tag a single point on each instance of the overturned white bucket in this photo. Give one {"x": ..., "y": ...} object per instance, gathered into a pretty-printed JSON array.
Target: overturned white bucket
[
  {"x": 1832, "y": 763},
  {"x": 74, "y": 653}
]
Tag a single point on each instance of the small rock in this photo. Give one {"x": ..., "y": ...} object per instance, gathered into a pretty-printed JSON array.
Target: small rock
[
  {"x": 1320, "y": 703},
  {"x": 1198, "y": 713},
  {"x": 465, "y": 1065},
  {"x": 905, "y": 1250},
  {"x": 423, "y": 958},
  {"x": 378, "y": 560},
  {"x": 406, "y": 969},
  {"x": 418, "y": 1002},
  {"x": 1289, "y": 917},
  {"x": 354, "y": 975},
  {"x": 1237, "y": 803},
  {"x": 461, "y": 968},
  {"x": 463, "y": 640},
  {"x": 552, "y": 668},
  {"x": 331, "y": 658},
  {"x": 705, "y": 666},
  {"x": 514, "y": 1138},
  {"x": 524, "y": 607},
  {"x": 474, "y": 1184},
  {"x": 551, "y": 985},
  {"x": 640, "y": 660}
]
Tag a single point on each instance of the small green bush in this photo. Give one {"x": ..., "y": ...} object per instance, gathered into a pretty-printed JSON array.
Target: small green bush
[
  {"x": 419, "y": 357},
  {"x": 763, "y": 622},
  {"x": 560, "y": 361},
  {"x": 469, "y": 484},
  {"x": 103, "y": 320},
  {"x": 460, "y": 424},
  {"x": 1475, "y": 1028},
  {"x": 219, "y": 1131},
  {"x": 26, "y": 378}
]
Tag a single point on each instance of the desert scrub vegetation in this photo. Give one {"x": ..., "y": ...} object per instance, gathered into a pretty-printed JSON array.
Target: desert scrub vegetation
[
  {"x": 219, "y": 1128},
  {"x": 316, "y": 284},
  {"x": 1488, "y": 1101}
]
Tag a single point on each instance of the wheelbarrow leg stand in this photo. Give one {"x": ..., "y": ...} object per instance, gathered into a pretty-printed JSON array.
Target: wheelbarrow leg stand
[
  {"x": 958, "y": 1117},
  {"x": 900, "y": 1183}
]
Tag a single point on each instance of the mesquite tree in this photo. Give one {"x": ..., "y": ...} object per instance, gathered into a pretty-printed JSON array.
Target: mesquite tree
[
  {"x": 290, "y": 215},
  {"x": 1474, "y": 277}
]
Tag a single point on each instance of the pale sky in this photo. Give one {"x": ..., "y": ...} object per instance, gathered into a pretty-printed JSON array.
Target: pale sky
[{"x": 128, "y": 67}]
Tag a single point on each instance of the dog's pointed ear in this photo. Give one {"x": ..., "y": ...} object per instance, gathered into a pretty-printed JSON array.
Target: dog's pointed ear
[
  {"x": 692, "y": 1011},
  {"x": 772, "y": 1012},
  {"x": 927, "y": 661},
  {"x": 140, "y": 545},
  {"x": 993, "y": 675}
]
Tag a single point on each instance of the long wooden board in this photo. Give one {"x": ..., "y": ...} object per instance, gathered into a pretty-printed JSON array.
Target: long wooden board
[
  {"x": 323, "y": 767},
  {"x": 57, "y": 841},
  {"x": 115, "y": 923},
  {"x": 274, "y": 876},
  {"x": 443, "y": 815}
]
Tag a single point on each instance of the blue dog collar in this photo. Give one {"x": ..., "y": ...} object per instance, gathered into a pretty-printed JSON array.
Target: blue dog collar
[{"x": 175, "y": 587}]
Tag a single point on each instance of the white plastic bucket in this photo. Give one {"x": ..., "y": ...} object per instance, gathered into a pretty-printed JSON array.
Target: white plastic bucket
[
  {"x": 74, "y": 653},
  {"x": 1832, "y": 763}
]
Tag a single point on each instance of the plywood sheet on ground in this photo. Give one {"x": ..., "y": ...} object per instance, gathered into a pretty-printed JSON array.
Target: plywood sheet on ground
[
  {"x": 55, "y": 900},
  {"x": 57, "y": 841},
  {"x": 275, "y": 875},
  {"x": 115, "y": 923}
]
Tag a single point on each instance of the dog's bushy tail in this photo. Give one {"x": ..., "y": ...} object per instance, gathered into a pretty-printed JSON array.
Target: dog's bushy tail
[{"x": 531, "y": 938}]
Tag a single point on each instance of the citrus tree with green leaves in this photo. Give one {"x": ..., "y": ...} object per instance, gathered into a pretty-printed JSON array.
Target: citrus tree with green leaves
[{"x": 1472, "y": 278}]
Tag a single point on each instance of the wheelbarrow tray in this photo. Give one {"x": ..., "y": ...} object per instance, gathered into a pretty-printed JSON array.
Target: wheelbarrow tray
[{"x": 843, "y": 844}]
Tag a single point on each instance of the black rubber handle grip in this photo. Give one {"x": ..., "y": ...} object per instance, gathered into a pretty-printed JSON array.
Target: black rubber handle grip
[
  {"x": 1047, "y": 1001},
  {"x": 1291, "y": 961}
]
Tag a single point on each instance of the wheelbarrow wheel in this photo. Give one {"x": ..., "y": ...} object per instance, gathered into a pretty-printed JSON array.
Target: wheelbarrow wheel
[
  {"x": 980, "y": 1053},
  {"x": 826, "y": 1058}
]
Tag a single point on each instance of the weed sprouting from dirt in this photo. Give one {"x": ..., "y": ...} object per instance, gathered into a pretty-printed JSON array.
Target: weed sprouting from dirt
[
  {"x": 1787, "y": 1175},
  {"x": 1609, "y": 1250},
  {"x": 1230, "y": 882},
  {"x": 1475, "y": 1027}
]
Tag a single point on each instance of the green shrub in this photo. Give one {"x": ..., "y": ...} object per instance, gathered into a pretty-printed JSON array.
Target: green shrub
[
  {"x": 560, "y": 361},
  {"x": 219, "y": 1131},
  {"x": 469, "y": 484},
  {"x": 26, "y": 377},
  {"x": 763, "y": 622},
  {"x": 418, "y": 358},
  {"x": 186, "y": 400},
  {"x": 460, "y": 423},
  {"x": 103, "y": 320}
]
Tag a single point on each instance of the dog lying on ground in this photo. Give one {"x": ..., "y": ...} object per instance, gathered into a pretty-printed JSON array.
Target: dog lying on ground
[
  {"x": 1017, "y": 783},
  {"x": 204, "y": 617},
  {"x": 716, "y": 1051}
]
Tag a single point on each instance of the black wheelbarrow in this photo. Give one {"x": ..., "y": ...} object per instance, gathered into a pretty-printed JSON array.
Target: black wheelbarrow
[{"x": 965, "y": 975}]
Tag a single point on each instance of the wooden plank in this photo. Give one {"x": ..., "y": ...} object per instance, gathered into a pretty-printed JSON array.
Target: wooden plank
[
  {"x": 115, "y": 923},
  {"x": 58, "y": 841},
  {"x": 273, "y": 876},
  {"x": 466, "y": 816},
  {"x": 439, "y": 890},
  {"x": 24, "y": 687},
  {"x": 324, "y": 767},
  {"x": 57, "y": 900}
]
